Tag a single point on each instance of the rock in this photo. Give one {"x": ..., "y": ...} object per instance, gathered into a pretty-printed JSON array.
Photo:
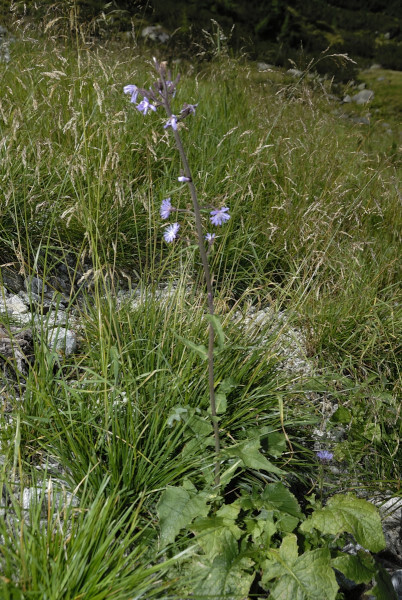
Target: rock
[
  {"x": 363, "y": 97},
  {"x": 16, "y": 347},
  {"x": 361, "y": 86},
  {"x": 261, "y": 66},
  {"x": 360, "y": 120},
  {"x": 11, "y": 280},
  {"x": 375, "y": 66},
  {"x": 391, "y": 514},
  {"x": 295, "y": 72},
  {"x": 62, "y": 340},
  {"x": 56, "y": 499},
  {"x": 35, "y": 287},
  {"x": 155, "y": 33},
  {"x": 347, "y": 99},
  {"x": 13, "y": 304},
  {"x": 5, "y": 40},
  {"x": 397, "y": 583}
]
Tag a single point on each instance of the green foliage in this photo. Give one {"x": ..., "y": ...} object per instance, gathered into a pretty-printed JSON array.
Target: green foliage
[
  {"x": 305, "y": 577},
  {"x": 348, "y": 514}
]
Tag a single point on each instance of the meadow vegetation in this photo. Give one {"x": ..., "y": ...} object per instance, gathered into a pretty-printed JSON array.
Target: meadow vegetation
[{"x": 315, "y": 232}]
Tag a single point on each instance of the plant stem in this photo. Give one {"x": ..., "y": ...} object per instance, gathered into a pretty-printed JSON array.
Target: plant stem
[{"x": 208, "y": 280}]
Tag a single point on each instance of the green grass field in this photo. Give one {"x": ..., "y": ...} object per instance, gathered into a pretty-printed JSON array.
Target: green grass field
[{"x": 315, "y": 231}]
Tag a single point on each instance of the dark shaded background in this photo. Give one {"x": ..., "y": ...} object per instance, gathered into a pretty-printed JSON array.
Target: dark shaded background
[{"x": 271, "y": 30}]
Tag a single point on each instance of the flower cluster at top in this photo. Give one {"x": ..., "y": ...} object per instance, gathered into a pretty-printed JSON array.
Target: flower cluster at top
[{"x": 160, "y": 94}]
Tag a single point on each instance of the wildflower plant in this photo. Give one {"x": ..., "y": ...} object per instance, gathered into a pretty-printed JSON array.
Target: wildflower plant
[
  {"x": 161, "y": 94},
  {"x": 255, "y": 539}
]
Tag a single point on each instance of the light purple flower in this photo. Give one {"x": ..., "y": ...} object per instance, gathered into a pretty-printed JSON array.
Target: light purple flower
[
  {"x": 133, "y": 90},
  {"x": 166, "y": 208},
  {"x": 325, "y": 456},
  {"x": 144, "y": 106},
  {"x": 171, "y": 232},
  {"x": 210, "y": 237},
  {"x": 220, "y": 216},
  {"x": 171, "y": 122},
  {"x": 183, "y": 178}
]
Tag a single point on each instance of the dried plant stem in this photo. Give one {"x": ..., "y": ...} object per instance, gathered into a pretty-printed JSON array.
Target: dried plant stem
[{"x": 208, "y": 280}]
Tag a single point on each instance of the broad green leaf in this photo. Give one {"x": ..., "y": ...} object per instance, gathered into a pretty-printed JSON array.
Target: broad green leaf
[
  {"x": 346, "y": 513},
  {"x": 229, "y": 576},
  {"x": 261, "y": 530},
  {"x": 176, "y": 414},
  {"x": 227, "y": 385},
  {"x": 177, "y": 507},
  {"x": 199, "y": 349},
  {"x": 214, "y": 534},
  {"x": 360, "y": 568},
  {"x": 277, "y": 496},
  {"x": 251, "y": 457},
  {"x": 270, "y": 437},
  {"x": 276, "y": 444},
  {"x": 199, "y": 426},
  {"x": 341, "y": 415},
  {"x": 305, "y": 577},
  {"x": 217, "y": 325}
]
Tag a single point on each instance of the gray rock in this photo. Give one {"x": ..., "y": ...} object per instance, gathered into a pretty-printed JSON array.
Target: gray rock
[
  {"x": 363, "y": 97},
  {"x": 397, "y": 583},
  {"x": 261, "y": 66},
  {"x": 62, "y": 340},
  {"x": 375, "y": 66},
  {"x": 155, "y": 33},
  {"x": 11, "y": 280},
  {"x": 295, "y": 72},
  {"x": 347, "y": 99},
  {"x": 360, "y": 120},
  {"x": 361, "y": 86},
  {"x": 35, "y": 287},
  {"x": 391, "y": 513},
  {"x": 51, "y": 497},
  {"x": 13, "y": 305}
]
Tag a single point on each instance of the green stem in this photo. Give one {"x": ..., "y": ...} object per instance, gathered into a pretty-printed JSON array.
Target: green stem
[{"x": 208, "y": 281}]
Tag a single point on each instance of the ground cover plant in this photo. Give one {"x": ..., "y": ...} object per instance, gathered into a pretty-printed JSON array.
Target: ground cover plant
[{"x": 314, "y": 233}]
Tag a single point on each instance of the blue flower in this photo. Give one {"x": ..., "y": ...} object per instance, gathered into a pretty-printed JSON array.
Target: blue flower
[
  {"x": 171, "y": 122},
  {"x": 183, "y": 178},
  {"x": 133, "y": 90},
  {"x": 144, "y": 106},
  {"x": 166, "y": 208},
  {"x": 171, "y": 232},
  {"x": 325, "y": 456},
  {"x": 210, "y": 237},
  {"x": 220, "y": 216}
]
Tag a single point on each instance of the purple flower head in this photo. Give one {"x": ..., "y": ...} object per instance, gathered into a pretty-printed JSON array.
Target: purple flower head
[
  {"x": 171, "y": 232},
  {"x": 166, "y": 208},
  {"x": 144, "y": 106},
  {"x": 210, "y": 237},
  {"x": 188, "y": 109},
  {"x": 133, "y": 90},
  {"x": 325, "y": 456},
  {"x": 183, "y": 178},
  {"x": 220, "y": 216},
  {"x": 171, "y": 122}
]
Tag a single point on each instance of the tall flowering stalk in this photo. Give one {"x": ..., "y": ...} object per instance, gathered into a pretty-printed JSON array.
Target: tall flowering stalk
[{"x": 161, "y": 94}]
